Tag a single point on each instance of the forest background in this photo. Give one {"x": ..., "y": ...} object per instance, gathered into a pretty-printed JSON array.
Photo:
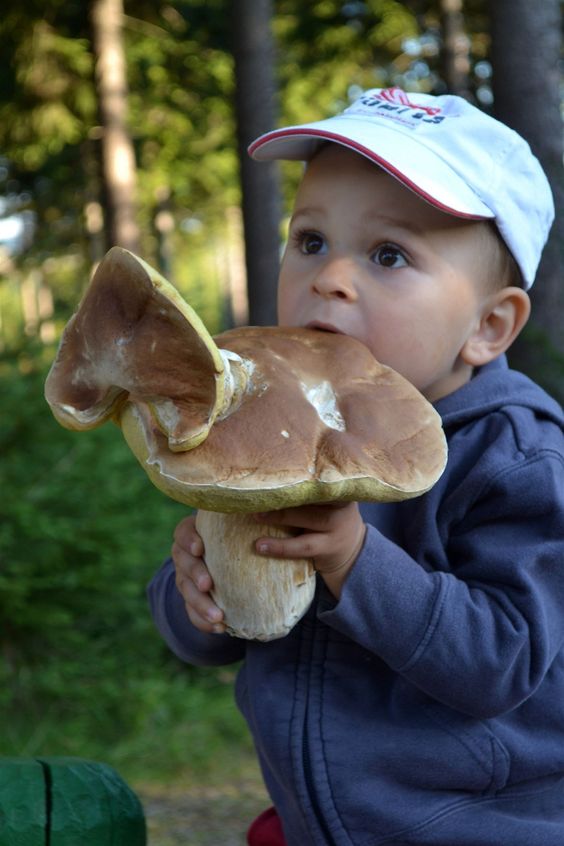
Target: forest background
[{"x": 146, "y": 149}]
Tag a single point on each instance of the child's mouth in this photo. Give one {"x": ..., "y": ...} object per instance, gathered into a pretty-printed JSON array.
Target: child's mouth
[{"x": 324, "y": 327}]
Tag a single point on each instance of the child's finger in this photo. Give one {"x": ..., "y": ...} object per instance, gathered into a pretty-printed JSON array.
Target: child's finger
[
  {"x": 203, "y": 624},
  {"x": 187, "y": 538},
  {"x": 300, "y": 546},
  {"x": 194, "y": 570},
  {"x": 313, "y": 517},
  {"x": 201, "y": 609}
]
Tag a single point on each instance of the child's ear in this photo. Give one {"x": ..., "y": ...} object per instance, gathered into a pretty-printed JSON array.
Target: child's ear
[{"x": 501, "y": 319}]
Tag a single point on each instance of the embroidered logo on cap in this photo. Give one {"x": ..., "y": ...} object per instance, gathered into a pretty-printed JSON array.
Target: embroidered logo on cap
[{"x": 395, "y": 104}]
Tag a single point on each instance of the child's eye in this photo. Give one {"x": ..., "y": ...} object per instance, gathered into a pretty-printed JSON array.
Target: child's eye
[
  {"x": 389, "y": 256},
  {"x": 309, "y": 243}
]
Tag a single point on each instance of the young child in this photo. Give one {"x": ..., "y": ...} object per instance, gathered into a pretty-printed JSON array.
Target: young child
[{"x": 421, "y": 698}]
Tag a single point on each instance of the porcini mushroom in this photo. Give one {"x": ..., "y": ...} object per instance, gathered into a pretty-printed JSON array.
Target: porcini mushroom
[{"x": 257, "y": 419}]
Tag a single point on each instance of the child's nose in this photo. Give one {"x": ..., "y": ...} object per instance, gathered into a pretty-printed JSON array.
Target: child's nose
[{"x": 336, "y": 279}]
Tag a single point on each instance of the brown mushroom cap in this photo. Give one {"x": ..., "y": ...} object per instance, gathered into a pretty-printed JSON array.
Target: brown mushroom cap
[
  {"x": 315, "y": 417},
  {"x": 134, "y": 338},
  {"x": 322, "y": 421}
]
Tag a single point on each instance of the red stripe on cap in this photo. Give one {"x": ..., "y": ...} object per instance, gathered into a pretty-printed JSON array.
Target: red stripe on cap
[{"x": 369, "y": 154}]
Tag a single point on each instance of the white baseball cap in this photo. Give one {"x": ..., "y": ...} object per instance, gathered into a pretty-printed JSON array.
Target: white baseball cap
[{"x": 448, "y": 152}]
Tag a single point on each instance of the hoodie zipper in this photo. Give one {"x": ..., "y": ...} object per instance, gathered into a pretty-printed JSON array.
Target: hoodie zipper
[{"x": 306, "y": 758}]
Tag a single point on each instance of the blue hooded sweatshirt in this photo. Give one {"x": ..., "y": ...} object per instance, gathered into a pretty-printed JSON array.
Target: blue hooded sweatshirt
[{"x": 426, "y": 706}]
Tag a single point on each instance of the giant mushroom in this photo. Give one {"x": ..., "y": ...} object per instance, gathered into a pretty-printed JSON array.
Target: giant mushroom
[{"x": 255, "y": 419}]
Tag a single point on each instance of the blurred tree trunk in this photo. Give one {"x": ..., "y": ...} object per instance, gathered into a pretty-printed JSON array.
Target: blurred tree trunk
[
  {"x": 455, "y": 53},
  {"x": 526, "y": 45},
  {"x": 93, "y": 209},
  {"x": 118, "y": 159},
  {"x": 163, "y": 223},
  {"x": 253, "y": 51}
]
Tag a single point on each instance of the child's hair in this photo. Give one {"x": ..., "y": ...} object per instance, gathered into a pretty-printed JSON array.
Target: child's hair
[{"x": 502, "y": 270}]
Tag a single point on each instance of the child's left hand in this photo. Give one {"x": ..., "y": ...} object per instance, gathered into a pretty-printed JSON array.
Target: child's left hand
[{"x": 331, "y": 535}]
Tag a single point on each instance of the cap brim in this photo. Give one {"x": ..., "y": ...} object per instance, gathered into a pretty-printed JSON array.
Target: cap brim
[{"x": 405, "y": 158}]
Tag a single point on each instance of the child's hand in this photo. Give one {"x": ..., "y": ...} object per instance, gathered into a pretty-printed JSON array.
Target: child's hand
[
  {"x": 331, "y": 534},
  {"x": 193, "y": 579}
]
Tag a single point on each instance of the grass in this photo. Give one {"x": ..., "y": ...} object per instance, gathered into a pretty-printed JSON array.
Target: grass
[{"x": 181, "y": 726}]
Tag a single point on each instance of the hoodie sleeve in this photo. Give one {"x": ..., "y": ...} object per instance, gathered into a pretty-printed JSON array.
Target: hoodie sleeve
[
  {"x": 479, "y": 635},
  {"x": 187, "y": 643}
]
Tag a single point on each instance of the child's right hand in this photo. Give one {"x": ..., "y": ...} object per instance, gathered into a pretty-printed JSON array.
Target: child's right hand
[{"x": 193, "y": 579}]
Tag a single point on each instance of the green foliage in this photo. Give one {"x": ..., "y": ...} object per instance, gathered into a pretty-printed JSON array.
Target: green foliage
[
  {"x": 181, "y": 89},
  {"x": 50, "y": 77},
  {"x": 82, "y": 530},
  {"x": 70, "y": 567}
]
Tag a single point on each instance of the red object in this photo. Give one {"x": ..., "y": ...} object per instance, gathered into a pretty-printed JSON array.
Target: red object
[
  {"x": 396, "y": 95},
  {"x": 266, "y": 830}
]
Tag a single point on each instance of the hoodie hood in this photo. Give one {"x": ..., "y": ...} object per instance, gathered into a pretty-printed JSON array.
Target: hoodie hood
[{"x": 495, "y": 387}]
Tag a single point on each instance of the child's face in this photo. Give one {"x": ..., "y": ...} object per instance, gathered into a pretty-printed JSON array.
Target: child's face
[{"x": 366, "y": 257}]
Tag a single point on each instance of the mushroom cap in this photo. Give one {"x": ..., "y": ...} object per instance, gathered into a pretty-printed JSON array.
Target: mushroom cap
[
  {"x": 321, "y": 421},
  {"x": 134, "y": 338}
]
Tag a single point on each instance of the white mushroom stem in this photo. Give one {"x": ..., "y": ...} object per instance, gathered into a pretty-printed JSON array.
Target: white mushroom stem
[{"x": 262, "y": 598}]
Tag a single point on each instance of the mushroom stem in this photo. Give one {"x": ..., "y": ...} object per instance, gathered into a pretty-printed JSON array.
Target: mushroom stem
[{"x": 262, "y": 598}]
